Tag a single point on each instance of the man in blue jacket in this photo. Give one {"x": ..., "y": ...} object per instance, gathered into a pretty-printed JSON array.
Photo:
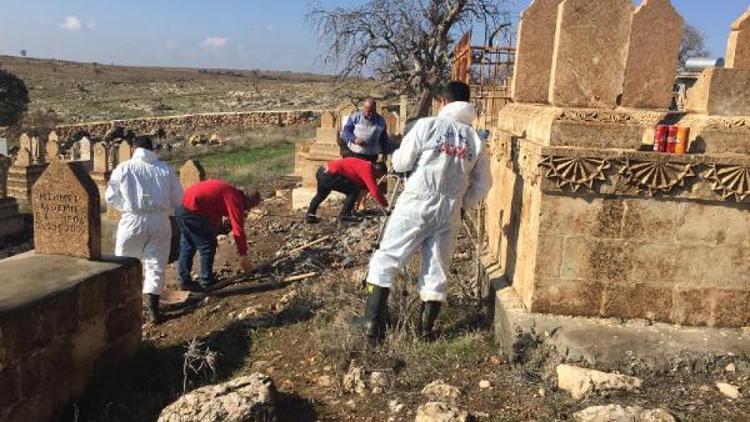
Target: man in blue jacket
[{"x": 364, "y": 134}]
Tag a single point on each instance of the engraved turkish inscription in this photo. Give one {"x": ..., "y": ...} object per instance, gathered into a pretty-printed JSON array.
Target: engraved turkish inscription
[{"x": 66, "y": 212}]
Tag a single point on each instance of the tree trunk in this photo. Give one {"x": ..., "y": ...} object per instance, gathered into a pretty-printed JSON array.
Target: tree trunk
[{"x": 423, "y": 105}]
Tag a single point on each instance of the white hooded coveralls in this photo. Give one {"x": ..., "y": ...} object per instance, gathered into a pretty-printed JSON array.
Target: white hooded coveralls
[
  {"x": 450, "y": 170},
  {"x": 145, "y": 190}
]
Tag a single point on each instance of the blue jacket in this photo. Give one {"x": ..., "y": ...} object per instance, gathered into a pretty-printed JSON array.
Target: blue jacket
[{"x": 372, "y": 131}]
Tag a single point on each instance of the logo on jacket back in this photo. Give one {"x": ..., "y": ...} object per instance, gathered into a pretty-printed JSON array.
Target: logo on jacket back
[{"x": 455, "y": 145}]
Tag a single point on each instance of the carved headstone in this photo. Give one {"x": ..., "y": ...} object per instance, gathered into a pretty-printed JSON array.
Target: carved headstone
[
  {"x": 191, "y": 173},
  {"x": 3, "y": 147},
  {"x": 391, "y": 122},
  {"x": 652, "y": 55},
  {"x": 24, "y": 141},
  {"x": 536, "y": 44},
  {"x": 53, "y": 137},
  {"x": 53, "y": 150},
  {"x": 67, "y": 219},
  {"x": 591, "y": 42},
  {"x": 738, "y": 47},
  {"x": 23, "y": 157},
  {"x": 124, "y": 151},
  {"x": 327, "y": 120},
  {"x": 100, "y": 158},
  {"x": 85, "y": 149}
]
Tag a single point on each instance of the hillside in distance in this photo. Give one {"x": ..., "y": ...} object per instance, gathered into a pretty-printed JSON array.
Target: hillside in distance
[{"x": 78, "y": 92}]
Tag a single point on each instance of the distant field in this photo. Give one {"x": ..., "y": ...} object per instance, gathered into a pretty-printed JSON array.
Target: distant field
[
  {"x": 80, "y": 92},
  {"x": 249, "y": 159}
]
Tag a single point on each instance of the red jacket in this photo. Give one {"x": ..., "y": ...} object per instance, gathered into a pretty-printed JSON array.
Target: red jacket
[
  {"x": 215, "y": 199},
  {"x": 360, "y": 172}
]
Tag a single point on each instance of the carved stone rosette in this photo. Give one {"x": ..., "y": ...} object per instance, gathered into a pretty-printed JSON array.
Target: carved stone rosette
[
  {"x": 650, "y": 177},
  {"x": 729, "y": 180},
  {"x": 574, "y": 172}
]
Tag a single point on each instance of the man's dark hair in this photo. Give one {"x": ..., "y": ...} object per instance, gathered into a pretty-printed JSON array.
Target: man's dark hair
[
  {"x": 144, "y": 142},
  {"x": 454, "y": 91}
]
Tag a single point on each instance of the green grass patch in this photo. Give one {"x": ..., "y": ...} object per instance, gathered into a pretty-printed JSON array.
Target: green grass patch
[{"x": 251, "y": 165}]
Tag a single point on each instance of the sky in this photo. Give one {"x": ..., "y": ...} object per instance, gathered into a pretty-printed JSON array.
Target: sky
[{"x": 238, "y": 34}]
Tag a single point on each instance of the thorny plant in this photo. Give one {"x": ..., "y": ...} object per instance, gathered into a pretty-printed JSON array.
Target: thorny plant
[{"x": 197, "y": 361}]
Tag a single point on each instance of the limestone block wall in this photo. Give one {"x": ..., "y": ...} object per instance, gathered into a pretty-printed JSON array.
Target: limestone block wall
[
  {"x": 675, "y": 261},
  {"x": 197, "y": 122},
  {"x": 61, "y": 327}
]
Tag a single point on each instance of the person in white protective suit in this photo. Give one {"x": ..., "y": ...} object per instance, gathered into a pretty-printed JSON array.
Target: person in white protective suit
[
  {"x": 145, "y": 190},
  {"x": 449, "y": 172}
]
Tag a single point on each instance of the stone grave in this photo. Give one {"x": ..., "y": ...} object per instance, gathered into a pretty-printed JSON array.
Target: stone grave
[
  {"x": 3, "y": 147},
  {"x": 583, "y": 219},
  {"x": 191, "y": 173},
  {"x": 52, "y": 150},
  {"x": 124, "y": 151},
  {"x": 310, "y": 155},
  {"x": 11, "y": 222},
  {"x": 65, "y": 311},
  {"x": 26, "y": 170},
  {"x": 85, "y": 149},
  {"x": 738, "y": 46},
  {"x": 101, "y": 169},
  {"x": 66, "y": 213}
]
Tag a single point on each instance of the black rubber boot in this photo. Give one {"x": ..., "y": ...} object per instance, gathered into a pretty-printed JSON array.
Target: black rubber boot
[
  {"x": 375, "y": 312},
  {"x": 152, "y": 304},
  {"x": 429, "y": 314}
]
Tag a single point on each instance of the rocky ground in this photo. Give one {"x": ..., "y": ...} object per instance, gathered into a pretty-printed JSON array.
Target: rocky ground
[
  {"x": 73, "y": 92},
  {"x": 275, "y": 331}
]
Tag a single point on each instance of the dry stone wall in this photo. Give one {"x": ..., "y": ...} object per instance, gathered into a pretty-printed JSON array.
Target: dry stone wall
[{"x": 197, "y": 122}]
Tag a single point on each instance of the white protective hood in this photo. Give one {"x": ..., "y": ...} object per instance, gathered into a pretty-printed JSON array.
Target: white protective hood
[{"x": 459, "y": 111}]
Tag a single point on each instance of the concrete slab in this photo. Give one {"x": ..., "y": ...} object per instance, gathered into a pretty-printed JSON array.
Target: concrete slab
[
  {"x": 28, "y": 278},
  {"x": 633, "y": 346}
]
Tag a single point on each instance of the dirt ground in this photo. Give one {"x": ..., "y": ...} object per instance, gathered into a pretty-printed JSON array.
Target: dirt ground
[{"x": 296, "y": 332}]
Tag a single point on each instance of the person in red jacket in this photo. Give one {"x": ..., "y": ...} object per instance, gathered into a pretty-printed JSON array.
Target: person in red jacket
[
  {"x": 204, "y": 204},
  {"x": 349, "y": 176}
]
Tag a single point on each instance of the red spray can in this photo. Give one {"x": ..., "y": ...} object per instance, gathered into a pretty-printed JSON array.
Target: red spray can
[
  {"x": 672, "y": 139},
  {"x": 660, "y": 138}
]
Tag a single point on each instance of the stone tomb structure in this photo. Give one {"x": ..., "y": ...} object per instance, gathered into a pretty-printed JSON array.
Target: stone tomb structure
[
  {"x": 310, "y": 155},
  {"x": 583, "y": 220},
  {"x": 26, "y": 169},
  {"x": 65, "y": 311},
  {"x": 11, "y": 221},
  {"x": 101, "y": 169}
]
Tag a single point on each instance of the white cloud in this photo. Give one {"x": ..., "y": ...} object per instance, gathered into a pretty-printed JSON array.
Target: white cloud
[
  {"x": 170, "y": 44},
  {"x": 215, "y": 42},
  {"x": 72, "y": 23}
]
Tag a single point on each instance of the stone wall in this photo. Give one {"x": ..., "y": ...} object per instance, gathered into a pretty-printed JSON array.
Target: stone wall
[
  {"x": 61, "y": 319},
  {"x": 198, "y": 122}
]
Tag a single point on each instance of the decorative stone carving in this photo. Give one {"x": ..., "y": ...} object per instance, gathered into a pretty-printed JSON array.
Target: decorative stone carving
[
  {"x": 729, "y": 180},
  {"x": 660, "y": 175},
  {"x": 596, "y": 116},
  {"x": 575, "y": 172}
]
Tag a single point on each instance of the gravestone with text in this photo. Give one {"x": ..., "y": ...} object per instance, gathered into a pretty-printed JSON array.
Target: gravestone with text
[{"x": 66, "y": 212}]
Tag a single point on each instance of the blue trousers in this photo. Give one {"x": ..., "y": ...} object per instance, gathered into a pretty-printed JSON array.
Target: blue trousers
[{"x": 196, "y": 234}]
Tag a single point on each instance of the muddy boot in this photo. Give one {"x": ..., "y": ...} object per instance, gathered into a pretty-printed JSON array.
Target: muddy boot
[
  {"x": 427, "y": 317},
  {"x": 375, "y": 309},
  {"x": 152, "y": 304}
]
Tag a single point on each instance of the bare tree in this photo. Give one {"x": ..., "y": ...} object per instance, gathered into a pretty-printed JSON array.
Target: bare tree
[
  {"x": 406, "y": 43},
  {"x": 693, "y": 44},
  {"x": 24, "y": 53},
  {"x": 14, "y": 98}
]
